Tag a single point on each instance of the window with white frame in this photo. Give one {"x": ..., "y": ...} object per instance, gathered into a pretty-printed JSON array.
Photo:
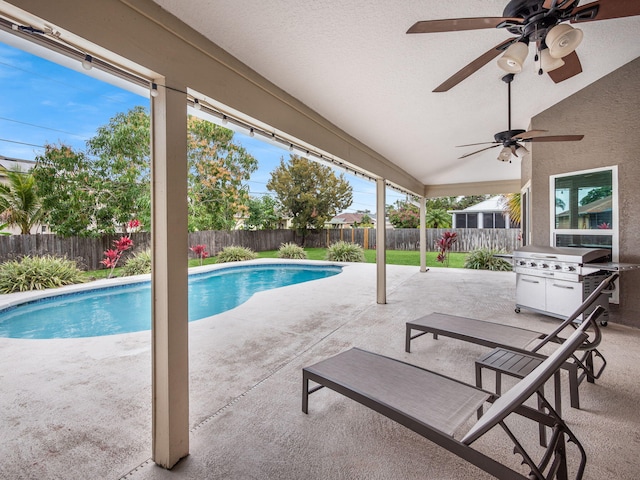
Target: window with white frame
[
  {"x": 466, "y": 220},
  {"x": 584, "y": 208}
]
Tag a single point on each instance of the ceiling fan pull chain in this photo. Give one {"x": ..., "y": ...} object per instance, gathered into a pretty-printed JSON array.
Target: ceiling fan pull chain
[{"x": 538, "y": 57}]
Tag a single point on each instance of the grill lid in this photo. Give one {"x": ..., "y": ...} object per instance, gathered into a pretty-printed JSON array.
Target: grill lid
[{"x": 561, "y": 254}]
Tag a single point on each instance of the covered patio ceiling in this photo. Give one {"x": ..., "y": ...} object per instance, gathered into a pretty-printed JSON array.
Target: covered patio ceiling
[{"x": 353, "y": 63}]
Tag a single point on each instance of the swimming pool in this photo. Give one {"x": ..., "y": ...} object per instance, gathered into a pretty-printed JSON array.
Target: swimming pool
[{"x": 127, "y": 308}]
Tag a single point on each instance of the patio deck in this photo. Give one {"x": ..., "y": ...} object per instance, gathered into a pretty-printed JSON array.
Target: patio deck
[{"x": 80, "y": 408}]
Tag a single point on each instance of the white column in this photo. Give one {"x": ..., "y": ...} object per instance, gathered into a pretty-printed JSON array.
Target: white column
[
  {"x": 169, "y": 311},
  {"x": 381, "y": 242},
  {"x": 423, "y": 234}
]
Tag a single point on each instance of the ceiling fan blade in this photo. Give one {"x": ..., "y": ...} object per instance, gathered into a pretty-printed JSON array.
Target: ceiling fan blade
[
  {"x": 474, "y": 144},
  {"x": 557, "y": 138},
  {"x": 459, "y": 24},
  {"x": 560, "y": 4},
  {"x": 571, "y": 68},
  {"x": 478, "y": 151},
  {"x": 604, "y": 10},
  {"x": 474, "y": 66},
  {"x": 529, "y": 134}
]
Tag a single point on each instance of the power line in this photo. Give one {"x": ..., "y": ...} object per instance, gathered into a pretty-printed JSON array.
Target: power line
[
  {"x": 22, "y": 143},
  {"x": 44, "y": 128}
]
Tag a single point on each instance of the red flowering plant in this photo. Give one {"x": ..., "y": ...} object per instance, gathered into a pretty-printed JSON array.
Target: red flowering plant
[
  {"x": 444, "y": 245},
  {"x": 200, "y": 251},
  {"x": 124, "y": 243}
]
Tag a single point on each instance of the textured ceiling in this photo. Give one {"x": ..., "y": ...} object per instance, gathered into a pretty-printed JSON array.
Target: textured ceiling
[{"x": 353, "y": 63}]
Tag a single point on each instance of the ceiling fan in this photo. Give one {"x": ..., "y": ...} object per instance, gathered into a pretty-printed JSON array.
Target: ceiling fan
[
  {"x": 511, "y": 140},
  {"x": 533, "y": 21}
]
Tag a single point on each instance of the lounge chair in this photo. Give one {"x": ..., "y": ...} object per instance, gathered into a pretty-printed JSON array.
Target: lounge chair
[
  {"x": 496, "y": 335},
  {"x": 436, "y": 406}
]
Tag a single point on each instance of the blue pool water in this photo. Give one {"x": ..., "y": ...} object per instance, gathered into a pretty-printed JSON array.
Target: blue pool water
[{"x": 127, "y": 308}]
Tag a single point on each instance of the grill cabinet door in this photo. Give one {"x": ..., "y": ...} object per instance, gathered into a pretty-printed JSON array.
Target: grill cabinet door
[
  {"x": 563, "y": 297},
  {"x": 530, "y": 291}
]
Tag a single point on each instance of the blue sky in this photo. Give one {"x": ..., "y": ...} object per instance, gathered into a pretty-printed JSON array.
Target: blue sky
[{"x": 44, "y": 103}]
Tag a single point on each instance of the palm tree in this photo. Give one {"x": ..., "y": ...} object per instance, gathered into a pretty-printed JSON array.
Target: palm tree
[
  {"x": 512, "y": 206},
  {"x": 19, "y": 203},
  {"x": 438, "y": 218}
]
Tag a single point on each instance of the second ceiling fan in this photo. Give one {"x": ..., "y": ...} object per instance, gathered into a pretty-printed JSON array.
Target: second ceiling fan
[{"x": 512, "y": 140}]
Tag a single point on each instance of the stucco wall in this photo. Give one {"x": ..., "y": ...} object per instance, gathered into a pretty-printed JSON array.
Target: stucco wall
[{"x": 608, "y": 113}]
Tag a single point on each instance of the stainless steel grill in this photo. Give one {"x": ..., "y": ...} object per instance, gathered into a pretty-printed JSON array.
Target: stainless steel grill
[{"x": 556, "y": 280}]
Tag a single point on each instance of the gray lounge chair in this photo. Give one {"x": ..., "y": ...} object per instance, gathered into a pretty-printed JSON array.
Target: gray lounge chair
[
  {"x": 496, "y": 335},
  {"x": 436, "y": 406}
]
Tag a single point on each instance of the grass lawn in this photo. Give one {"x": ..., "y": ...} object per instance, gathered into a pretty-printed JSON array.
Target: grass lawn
[{"x": 394, "y": 257}]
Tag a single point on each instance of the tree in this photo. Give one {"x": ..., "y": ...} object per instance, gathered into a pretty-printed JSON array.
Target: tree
[
  {"x": 86, "y": 194},
  {"x": 454, "y": 203},
  {"x": 309, "y": 192},
  {"x": 19, "y": 202},
  {"x": 465, "y": 202},
  {"x": 95, "y": 193},
  {"x": 217, "y": 168},
  {"x": 404, "y": 215},
  {"x": 366, "y": 222},
  {"x": 123, "y": 151},
  {"x": 66, "y": 182},
  {"x": 596, "y": 194},
  {"x": 512, "y": 206},
  {"x": 438, "y": 218},
  {"x": 262, "y": 213}
]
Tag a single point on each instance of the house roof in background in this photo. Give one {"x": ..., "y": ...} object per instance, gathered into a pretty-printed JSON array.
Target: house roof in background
[
  {"x": 11, "y": 163},
  {"x": 493, "y": 204}
]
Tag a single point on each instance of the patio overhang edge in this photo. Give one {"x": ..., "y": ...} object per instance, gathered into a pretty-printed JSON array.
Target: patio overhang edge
[{"x": 475, "y": 188}]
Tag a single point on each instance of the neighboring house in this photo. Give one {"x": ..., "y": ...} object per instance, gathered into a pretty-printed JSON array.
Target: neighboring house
[
  {"x": 11, "y": 163},
  {"x": 346, "y": 220},
  {"x": 593, "y": 215},
  {"x": 25, "y": 166},
  {"x": 487, "y": 214},
  {"x": 349, "y": 220}
]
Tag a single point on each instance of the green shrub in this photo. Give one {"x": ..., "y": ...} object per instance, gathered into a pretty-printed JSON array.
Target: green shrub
[
  {"x": 291, "y": 250},
  {"x": 38, "y": 273},
  {"x": 235, "y": 254},
  {"x": 138, "y": 264},
  {"x": 345, "y": 252},
  {"x": 483, "y": 259}
]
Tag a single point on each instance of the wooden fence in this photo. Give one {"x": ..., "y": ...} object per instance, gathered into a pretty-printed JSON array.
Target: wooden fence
[{"x": 88, "y": 252}]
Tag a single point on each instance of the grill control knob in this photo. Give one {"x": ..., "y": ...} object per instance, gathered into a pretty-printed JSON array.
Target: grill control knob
[
  {"x": 531, "y": 264},
  {"x": 556, "y": 267},
  {"x": 569, "y": 268},
  {"x": 544, "y": 265}
]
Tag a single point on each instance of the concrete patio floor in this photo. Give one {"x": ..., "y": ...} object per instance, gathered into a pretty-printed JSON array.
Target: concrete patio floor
[{"x": 81, "y": 408}]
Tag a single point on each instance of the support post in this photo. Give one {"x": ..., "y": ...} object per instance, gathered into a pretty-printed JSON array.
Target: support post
[
  {"x": 169, "y": 305},
  {"x": 423, "y": 234},
  {"x": 381, "y": 242}
]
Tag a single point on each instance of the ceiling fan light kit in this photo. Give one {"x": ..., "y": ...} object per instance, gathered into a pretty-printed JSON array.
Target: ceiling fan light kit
[
  {"x": 562, "y": 40},
  {"x": 505, "y": 154},
  {"x": 541, "y": 22},
  {"x": 549, "y": 63},
  {"x": 514, "y": 57}
]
